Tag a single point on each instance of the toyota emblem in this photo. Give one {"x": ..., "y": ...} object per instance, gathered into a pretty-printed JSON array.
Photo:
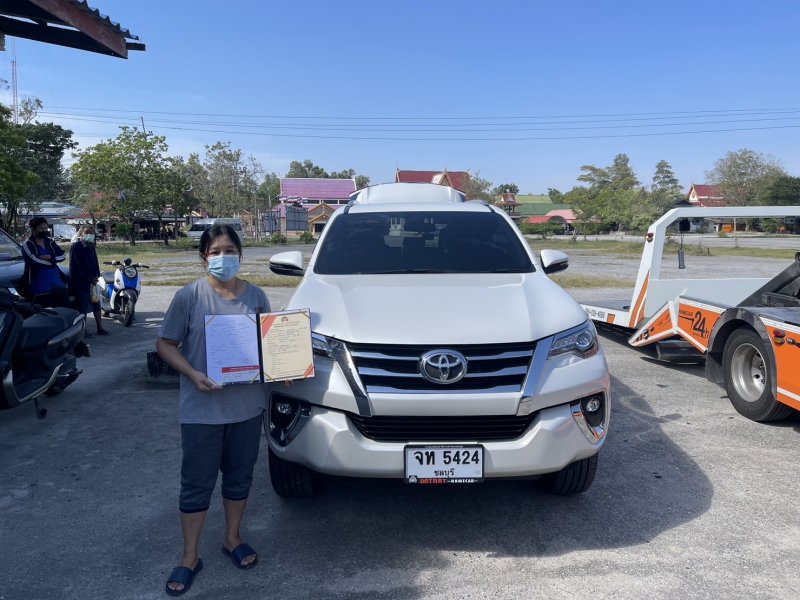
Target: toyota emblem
[{"x": 443, "y": 366}]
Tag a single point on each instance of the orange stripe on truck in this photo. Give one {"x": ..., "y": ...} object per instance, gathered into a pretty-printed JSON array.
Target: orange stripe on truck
[{"x": 638, "y": 308}]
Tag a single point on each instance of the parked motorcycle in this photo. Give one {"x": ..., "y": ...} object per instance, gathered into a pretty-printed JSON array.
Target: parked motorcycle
[
  {"x": 119, "y": 291},
  {"x": 38, "y": 350}
]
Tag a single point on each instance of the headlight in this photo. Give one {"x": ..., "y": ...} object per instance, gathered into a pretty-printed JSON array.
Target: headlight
[
  {"x": 320, "y": 346},
  {"x": 130, "y": 272},
  {"x": 581, "y": 340}
]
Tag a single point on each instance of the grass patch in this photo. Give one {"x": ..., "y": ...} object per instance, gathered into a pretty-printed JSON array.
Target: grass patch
[
  {"x": 628, "y": 249},
  {"x": 567, "y": 280},
  {"x": 256, "y": 279}
]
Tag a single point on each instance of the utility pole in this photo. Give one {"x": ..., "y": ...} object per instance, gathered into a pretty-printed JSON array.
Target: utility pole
[{"x": 142, "y": 118}]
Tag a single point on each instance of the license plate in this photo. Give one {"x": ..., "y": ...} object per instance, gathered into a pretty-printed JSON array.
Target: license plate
[{"x": 444, "y": 464}]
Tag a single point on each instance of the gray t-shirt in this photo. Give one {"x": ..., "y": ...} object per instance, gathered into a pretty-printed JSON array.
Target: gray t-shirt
[{"x": 185, "y": 323}]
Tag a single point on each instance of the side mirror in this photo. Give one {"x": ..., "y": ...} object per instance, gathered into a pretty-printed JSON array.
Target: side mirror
[
  {"x": 684, "y": 226},
  {"x": 553, "y": 261},
  {"x": 287, "y": 263}
]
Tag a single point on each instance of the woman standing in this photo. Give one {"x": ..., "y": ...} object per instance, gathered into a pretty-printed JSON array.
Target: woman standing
[
  {"x": 220, "y": 427},
  {"x": 83, "y": 273},
  {"x": 42, "y": 274}
]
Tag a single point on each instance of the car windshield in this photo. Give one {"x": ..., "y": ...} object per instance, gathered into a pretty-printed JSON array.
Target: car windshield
[
  {"x": 421, "y": 242},
  {"x": 9, "y": 249},
  {"x": 200, "y": 227}
]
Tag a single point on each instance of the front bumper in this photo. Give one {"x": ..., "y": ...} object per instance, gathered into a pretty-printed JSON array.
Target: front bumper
[
  {"x": 330, "y": 443},
  {"x": 327, "y": 441}
]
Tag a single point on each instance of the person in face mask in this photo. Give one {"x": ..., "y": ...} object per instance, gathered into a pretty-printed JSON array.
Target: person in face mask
[
  {"x": 220, "y": 427},
  {"x": 45, "y": 282},
  {"x": 84, "y": 270}
]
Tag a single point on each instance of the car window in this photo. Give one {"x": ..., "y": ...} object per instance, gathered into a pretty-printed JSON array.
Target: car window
[
  {"x": 199, "y": 227},
  {"x": 9, "y": 249},
  {"x": 421, "y": 242}
]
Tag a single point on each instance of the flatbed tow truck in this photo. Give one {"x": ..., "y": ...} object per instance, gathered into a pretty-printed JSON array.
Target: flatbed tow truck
[{"x": 746, "y": 328}]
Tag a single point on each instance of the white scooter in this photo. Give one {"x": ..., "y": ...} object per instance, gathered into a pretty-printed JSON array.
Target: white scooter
[{"x": 119, "y": 291}]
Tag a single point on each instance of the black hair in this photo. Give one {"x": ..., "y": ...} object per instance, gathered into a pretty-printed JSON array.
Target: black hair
[
  {"x": 215, "y": 231},
  {"x": 36, "y": 221}
]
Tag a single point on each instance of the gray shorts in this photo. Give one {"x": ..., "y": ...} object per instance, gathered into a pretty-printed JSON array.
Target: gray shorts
[{"x": 208, "y": 449}]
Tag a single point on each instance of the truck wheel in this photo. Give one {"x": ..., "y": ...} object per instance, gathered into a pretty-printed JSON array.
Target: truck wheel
[
  {"x": 290, "y": 480},
  {"x": 747, "y": 378},
  {"x": 575, "y": 478}
]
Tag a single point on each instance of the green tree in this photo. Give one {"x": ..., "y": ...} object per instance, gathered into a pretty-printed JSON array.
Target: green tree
[
  {"x": 556, "y": 197},
  {"x": 46, "y": 145},
  {"x": 15, "y": 178},
  {"x": 742, "y": 176},
  {"x": 308, "y": 169},
  {"x": 506, "y": 188},
  {"x": 223, "y": 164},
  {"x": 666, "y": 190},
  {"x": 621, "y": 175},
  {"x": 129, "y": 175},
  {"x": 479, "y": 188},
  {"x": 781, "y": 191},
  {"x": 270, "y": 189}
]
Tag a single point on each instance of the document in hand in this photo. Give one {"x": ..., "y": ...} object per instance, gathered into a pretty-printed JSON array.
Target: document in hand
[{"x": 256, "y": 348}]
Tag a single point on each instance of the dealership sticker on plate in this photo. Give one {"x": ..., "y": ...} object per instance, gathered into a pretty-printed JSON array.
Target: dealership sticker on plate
[{"x": 443, "y": 464}]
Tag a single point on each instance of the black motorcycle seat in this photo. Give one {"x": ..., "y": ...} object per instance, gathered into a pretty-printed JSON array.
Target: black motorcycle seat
[
  {"x": 108, "y": 276},
  {"x": 37, "y": 330}
]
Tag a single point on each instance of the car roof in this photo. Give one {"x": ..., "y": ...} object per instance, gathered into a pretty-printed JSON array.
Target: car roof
[
  {"x": 389, "y": 193},
  {"x": 464, "y": 207}
]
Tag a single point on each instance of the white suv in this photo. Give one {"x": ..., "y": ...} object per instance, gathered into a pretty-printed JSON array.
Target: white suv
[{"x": 443, "y": 352}]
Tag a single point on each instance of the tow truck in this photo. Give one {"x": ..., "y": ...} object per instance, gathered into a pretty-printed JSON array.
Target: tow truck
[{"x": 746, "y": 329}]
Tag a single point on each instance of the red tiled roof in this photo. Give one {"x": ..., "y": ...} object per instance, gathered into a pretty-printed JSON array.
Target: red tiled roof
[
  {"x": 459, "y": 179},
  {"x": 706, "y": 191},
  {"x": 538, "y": 219},
  {"x": 318, "y": 188},
  {"x": 566, "y": 213}
]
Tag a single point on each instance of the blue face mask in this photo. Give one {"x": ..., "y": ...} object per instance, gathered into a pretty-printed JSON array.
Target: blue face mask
[
  {"x": 88, "y": 238},
  {"x": 223, "y": 267}
]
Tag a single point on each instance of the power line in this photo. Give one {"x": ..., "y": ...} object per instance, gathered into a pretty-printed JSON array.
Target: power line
[
  {"x": 475, "y": 139},
  {"x": 733, "y": 111},
  {"x": 449, "y": 127}
]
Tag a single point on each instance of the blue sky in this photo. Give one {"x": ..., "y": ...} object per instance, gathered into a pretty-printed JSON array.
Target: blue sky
[{"x": 465, "y": 79}]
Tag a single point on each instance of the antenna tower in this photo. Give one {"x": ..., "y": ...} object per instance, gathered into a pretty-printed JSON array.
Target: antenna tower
[{"x": 14, "y": 99}]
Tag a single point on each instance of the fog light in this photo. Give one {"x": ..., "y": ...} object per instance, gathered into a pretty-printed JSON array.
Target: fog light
[
  {"x": 592, "y": 405},
  {"x": 287, "y": 417},
  {"x": 284, "y": 408}
]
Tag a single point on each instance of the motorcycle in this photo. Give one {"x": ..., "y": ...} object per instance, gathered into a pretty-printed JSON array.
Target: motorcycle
[
  {"x": 119, "y": 291},
  {"x": 38, "y": 350}
]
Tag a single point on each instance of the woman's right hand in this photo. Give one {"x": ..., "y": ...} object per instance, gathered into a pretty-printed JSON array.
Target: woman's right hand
[{"x": 203, "y": 383}]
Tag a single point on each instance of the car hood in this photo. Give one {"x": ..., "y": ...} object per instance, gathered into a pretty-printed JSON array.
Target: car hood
[{"x": 437, "y": 309}]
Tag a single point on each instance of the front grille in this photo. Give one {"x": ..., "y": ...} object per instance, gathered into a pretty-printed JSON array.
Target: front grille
[
  {"x": 490, "y": 367},
  {"x": 442, "y": 429}
]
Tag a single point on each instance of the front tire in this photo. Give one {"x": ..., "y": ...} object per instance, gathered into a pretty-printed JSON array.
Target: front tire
[
  {"x": 747, "y": 378},
  {"x": 290, "y": 480},
  {"x": 575, "y": 478},
  {"x": 127, "y": 313}
]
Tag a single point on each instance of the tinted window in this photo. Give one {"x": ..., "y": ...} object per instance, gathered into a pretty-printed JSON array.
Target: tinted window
[
  {"x": 200, "y": 227},
  {"x": 9, "y": 249},
  {"x": 421, "y": 242}
]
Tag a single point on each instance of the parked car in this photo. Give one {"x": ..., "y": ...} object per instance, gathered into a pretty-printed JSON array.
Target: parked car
[
  {"x": 443, "y": 352},
  {"x": 198, "y": 227},
  {"x": 12, "y": 263}
]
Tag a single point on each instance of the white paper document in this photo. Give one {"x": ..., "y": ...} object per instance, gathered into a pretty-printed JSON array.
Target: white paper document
[
  {"x": 232, "y": 349},
  {"x": 257, "y": 348}
]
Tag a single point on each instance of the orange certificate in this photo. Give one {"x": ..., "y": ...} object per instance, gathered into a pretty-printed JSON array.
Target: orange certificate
[{"x": 286, "y": 351}]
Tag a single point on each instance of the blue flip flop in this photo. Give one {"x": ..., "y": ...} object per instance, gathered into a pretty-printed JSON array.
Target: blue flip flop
[
  {"x": 183, "y": 575},
  {"x": 239, "y": 553}
]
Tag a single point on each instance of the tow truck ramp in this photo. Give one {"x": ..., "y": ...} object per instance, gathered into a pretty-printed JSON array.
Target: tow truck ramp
[{"x": 747, "y": 329}]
